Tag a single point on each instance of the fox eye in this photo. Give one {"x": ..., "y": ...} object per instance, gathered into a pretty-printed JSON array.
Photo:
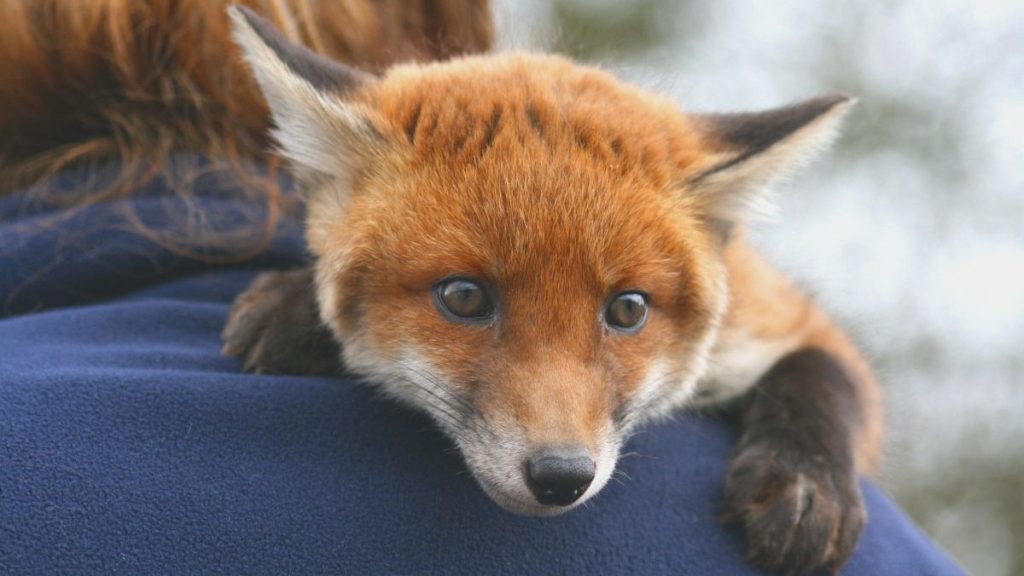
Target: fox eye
[
  {"x": 463, "y": 300},
  {"x": 627, "y": 311}
]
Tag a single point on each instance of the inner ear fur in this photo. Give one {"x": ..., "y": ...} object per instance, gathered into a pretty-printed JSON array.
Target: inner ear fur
[
  {"x": 749, "y": 151},
  {"x": 316, "y": 125}
]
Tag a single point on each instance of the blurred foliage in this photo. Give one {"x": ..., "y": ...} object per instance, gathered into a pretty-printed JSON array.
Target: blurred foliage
[
  {"x": 985, "y": 491},
  {"x": 589, "y": 31}
]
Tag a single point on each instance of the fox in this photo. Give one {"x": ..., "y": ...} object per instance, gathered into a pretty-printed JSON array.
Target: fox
[
  {"x": 539, "y": 256},
  {"x": 543, "y": 258}
]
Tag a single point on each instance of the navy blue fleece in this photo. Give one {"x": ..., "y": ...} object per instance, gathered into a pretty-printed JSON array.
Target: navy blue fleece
[{"x": 129, "y": 445}]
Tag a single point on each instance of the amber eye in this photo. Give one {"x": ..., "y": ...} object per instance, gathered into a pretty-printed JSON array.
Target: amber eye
[
  {"x": 464, "y": 300},
  {"x": 627, "y": 311}
]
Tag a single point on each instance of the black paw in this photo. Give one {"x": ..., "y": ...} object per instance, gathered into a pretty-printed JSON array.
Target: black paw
[
  {"x": 274, "y": 326},
  {"x": 799, "y": 511}
]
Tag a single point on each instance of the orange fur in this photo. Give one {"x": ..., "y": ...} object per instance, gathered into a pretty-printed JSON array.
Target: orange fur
[
  {"x": 766, "y": 306},
  {"x": 557, "y": 185},
  {"x": 553, "y": 184},
  {"x": 535, "y": 237}
]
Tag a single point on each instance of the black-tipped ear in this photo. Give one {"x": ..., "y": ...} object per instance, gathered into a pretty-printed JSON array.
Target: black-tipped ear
[
  {"x": 322, "y": 73},
  {"x": 317, "y": 126},
  {"x": 749, "y": 151}
]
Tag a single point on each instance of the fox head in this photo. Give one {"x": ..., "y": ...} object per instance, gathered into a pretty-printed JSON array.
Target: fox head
[{"x": 527, "y": 249}]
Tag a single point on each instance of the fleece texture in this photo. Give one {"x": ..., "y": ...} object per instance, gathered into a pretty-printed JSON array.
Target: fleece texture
[{"x": 129, "y": 445}]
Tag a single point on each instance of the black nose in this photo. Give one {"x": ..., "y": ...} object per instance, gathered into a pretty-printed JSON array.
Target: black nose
[{"x": 559, "y": 475}]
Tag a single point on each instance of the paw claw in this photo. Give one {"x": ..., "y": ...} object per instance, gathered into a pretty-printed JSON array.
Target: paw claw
[
  {"x": 274, "y": 327},
  {"x": 798, "y": 512}
]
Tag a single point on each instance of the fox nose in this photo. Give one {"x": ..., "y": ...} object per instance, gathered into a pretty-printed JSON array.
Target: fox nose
[{"x": 559, "y": 475}]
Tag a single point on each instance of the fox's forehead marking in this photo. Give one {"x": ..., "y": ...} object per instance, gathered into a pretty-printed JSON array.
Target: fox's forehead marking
[
  {"x": 488, "y": 108},
  {"x": 553, "y": 182},
  {"x": 543, "y": 223}
]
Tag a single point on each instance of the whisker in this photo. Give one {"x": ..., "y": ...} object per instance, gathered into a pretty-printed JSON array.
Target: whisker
[
  {"x": 461, "y": 425},
  {"x": 633, "y": 411},
  {"x": 450, "y": 398},
  {"x": 434, "y": 391},
  {"x": 438, "y": 383},
  {"x": 441, "y": 411}
]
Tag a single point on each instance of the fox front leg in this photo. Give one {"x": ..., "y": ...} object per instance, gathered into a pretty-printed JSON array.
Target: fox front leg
[
  {"x": 792, "y": 483},
  {"x": 274, "y": 326}
]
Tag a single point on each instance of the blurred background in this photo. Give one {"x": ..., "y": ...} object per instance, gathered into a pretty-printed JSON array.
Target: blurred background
[{"x": 910, "y": 231}]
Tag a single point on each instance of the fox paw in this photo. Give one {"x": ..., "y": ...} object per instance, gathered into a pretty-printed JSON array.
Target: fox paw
[
  {"x": 274, "y": 326},
  {"x": 799, "y": 511}
]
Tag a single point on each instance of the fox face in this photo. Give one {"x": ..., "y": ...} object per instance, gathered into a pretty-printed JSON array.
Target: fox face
[
  {"x": 530, "y": 300},
  {"x": 527, "y": 249}
]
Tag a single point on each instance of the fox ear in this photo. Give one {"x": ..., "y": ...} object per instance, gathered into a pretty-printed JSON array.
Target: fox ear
[
  {"x": 751, "y": 151},
  {"x": 315, "y": 128}
]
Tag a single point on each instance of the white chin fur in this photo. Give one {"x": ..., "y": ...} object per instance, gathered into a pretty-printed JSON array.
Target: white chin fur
[
  {"x": 500, "y": 475},
  {"x": 494, "y": 451}
]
